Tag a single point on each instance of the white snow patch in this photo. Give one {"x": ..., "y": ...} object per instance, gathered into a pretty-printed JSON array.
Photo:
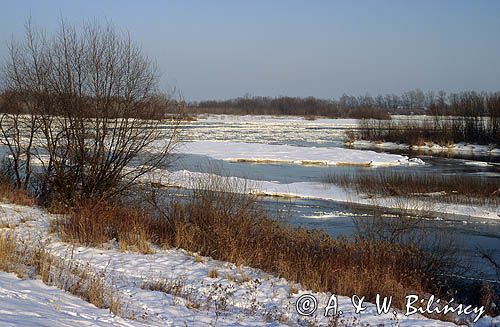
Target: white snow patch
[
  {"x": 267, "y": 153},
  {"x": 464, "y": 148},
  {"x": 32, "y": 303}
]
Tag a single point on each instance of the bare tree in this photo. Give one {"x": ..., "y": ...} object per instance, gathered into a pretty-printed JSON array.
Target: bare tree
[{"x": 95, "y": 110}]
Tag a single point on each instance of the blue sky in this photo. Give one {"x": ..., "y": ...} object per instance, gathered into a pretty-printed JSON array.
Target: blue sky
[{"x": 221, "y": 49}]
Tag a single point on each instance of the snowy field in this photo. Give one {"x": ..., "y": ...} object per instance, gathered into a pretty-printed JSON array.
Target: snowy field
[{"x": 236, "y": 295}]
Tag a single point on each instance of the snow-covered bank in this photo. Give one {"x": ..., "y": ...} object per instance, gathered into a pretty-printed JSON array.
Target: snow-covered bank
[
  {"x": 184, "y": 178},
  {"x": 32, "y": 303},
  {"x": 234, "y": 296},
  {"x": 459, "y": 148},
  {"x": 267, "y": 153}
]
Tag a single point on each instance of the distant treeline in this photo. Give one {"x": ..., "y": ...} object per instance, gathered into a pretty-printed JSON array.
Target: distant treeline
[
  {"x": 348, "y": 106},
  {"x": 416, "y": 102}
]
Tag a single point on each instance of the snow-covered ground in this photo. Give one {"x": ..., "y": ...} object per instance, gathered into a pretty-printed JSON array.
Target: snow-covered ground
[
  {"x": 235, "y": 295},
  {"x": 27, "y": 302},
  {"x": 267, "y": 153}
]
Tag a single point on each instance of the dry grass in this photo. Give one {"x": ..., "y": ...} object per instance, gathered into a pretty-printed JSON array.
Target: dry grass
[
  {"x": 12, "y": 194},
  {"x": 7, "y": 251},
  {"x": 176, "y": 287},
  {"x": 213, "y": 273},
  {"x": 444, "y": 131},
  {"x": 95, "y": 224},
  {"x": 448, "y": 188},
  {"x": 233, "y": 227}
]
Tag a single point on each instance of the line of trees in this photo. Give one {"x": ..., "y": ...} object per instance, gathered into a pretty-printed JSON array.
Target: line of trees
[
  {"x": 80, "y": 114},
  {"x": 310, "y": 106},
  {"x": 348, "y": 106}
]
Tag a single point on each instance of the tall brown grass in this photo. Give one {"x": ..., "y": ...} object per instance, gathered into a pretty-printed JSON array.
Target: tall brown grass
[
  {"x": 97, "y": 223},
  {"x": 7, "y": 251},
  {"x": 245, "y": 235},
  {"x": 12, "y": 194},
  {"x": 447, "y": 188}
]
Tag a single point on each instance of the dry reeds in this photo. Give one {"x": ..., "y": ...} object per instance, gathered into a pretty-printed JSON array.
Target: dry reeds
[
  {"x": 12, "y": 194},
  {"x": 447, "y": 188},
  {"x": 95, "y": 224},
  {"x": 444, "y": 131}
]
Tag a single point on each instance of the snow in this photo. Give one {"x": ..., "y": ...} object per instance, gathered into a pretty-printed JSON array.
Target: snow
[
  {"x": 32, "y": 303},
  {"x": 254, "y": 298},
  {"x": 268, "y": 153}
]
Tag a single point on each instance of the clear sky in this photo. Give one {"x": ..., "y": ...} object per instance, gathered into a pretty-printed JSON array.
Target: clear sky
[{"x": 221, "y": 49}]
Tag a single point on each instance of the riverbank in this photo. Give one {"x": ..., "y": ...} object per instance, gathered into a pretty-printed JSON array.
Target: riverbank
[{"x": 176, "y": 287}]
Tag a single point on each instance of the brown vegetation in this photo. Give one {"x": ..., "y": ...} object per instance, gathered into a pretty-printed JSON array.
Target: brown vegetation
[
  {"x": 309, "y": 108},
  {"x": 12, "y": 194},
  {"x": 448, "y": 188},
  {"x": 97, "y": 223}
]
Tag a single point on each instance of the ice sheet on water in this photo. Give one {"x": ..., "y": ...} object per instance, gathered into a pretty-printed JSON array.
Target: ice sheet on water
[{"x": 271, "y": 153}]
